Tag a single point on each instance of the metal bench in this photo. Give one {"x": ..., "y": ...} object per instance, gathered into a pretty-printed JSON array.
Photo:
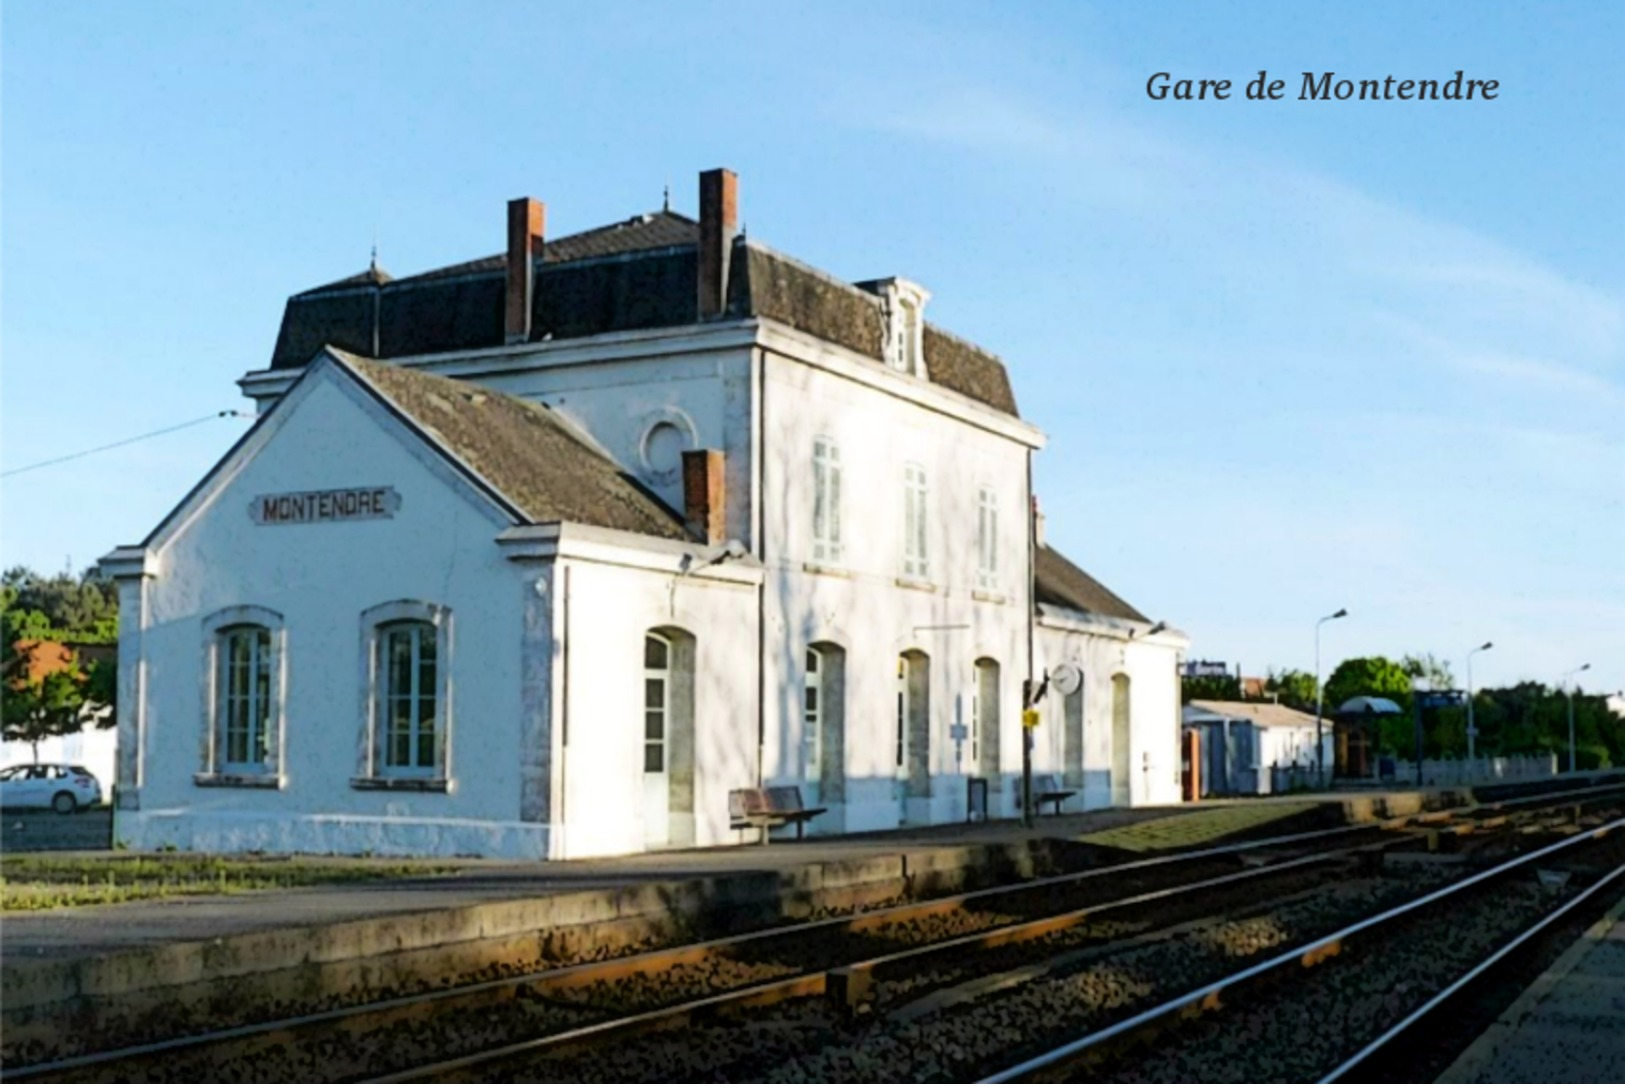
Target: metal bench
[
  {"x": 769, "y": 807},
  {"x": 1047, "y": 790}
]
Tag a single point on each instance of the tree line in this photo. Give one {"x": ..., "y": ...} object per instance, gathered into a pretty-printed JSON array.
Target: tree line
[
  {"x": 1528, "y": 718},
  {"x": 38, "y": 612}
]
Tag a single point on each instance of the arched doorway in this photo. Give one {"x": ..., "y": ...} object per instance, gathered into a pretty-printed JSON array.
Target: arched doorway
[
  {"x": 985, "y": 754},
  {"x": 912, "y": 748},
  {"x": 668, "y": 738},
  {"x": 823, "y": 721},
  {"x": 1072, "y": 742},
  {"x": 1121, "y": 740}
]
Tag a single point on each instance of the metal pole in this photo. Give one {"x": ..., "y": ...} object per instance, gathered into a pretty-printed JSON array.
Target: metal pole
[
  {"x": 1571, "y": 731},
  {"x": 1568, "y": 690},
  {"x": 1026, "y": 756},
  {"x": 1320, "y": 741},
  {"x": 1471, "y": 732}
]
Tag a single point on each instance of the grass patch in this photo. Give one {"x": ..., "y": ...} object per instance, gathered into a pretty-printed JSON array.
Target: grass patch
[
  {"x": 1187, "y": 829},
  {"x": 29, "y": 882}
]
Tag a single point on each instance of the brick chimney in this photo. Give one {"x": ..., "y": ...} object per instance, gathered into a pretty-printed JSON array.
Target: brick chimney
[
  {"x": 526, "y": 219},
  {"x": 704, "y": 496},
  {"x": 719, "y": 222}
]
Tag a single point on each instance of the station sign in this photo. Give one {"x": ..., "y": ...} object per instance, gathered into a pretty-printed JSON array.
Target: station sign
[{"x": 339, "y": 504}]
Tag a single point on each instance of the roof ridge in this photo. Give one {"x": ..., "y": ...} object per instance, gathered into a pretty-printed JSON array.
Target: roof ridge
[
  {"x": 538, "y": 414},
  {"x": 812, "y": 270}
]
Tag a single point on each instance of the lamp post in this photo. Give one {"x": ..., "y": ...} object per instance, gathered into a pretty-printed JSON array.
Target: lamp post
[
  {"x": 1320, "y": 742},
  {"x": 1472, "y": 732},
  {"x": 1566, "y": 677}
]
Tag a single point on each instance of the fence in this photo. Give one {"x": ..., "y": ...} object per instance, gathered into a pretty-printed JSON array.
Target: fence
[
  {"x": 1462, "y": 772},
  {"x": 1435, "y": 772}
]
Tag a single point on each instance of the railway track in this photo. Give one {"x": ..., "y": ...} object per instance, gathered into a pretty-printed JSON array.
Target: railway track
[
  {"x": 870, "y": 963},
  {"x": 1390, "y": 978}
]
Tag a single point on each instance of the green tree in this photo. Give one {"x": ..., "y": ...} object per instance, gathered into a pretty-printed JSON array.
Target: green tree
[
  {"x": 51, "y": 705},
  {"x": 1385, "y": 679},
  {"x": 1210, "y": 687},
  {"x": 83, "y": 607},
  {"x": 1294, "y": 687},
  {"x": 1432, "y": 669},
  {"x": 1376, "y": 676},
  {"x": 66, "y": 700}
]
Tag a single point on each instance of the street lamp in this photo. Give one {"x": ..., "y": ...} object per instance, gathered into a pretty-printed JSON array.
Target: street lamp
[
  {"x": 1472, "y": 733},
  {"x": 1320, "y": 742},
  {"x": 1566, "y": 676}
]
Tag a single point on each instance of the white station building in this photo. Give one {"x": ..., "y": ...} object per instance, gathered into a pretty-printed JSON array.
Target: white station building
[{"x": 541, "y": 555}]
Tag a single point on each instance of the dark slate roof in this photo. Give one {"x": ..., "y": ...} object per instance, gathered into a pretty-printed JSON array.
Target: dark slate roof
[
  {"x": 538, "y": 463},
  {"x": 1061, "y": 582},
  {"x": 367, "y": 277},
  {"x": 653, "y": 230},
  {"x": 640, "y": 273}
]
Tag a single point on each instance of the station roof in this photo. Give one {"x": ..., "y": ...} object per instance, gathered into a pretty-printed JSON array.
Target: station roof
[{"x": 638, "y": 273}]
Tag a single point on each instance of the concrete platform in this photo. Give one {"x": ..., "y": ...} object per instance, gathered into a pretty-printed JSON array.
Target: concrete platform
[
  {"x": 270, "y": 948},
  {"x": 1567, "y": 1028},
  {"x": 88, "y": 932}
]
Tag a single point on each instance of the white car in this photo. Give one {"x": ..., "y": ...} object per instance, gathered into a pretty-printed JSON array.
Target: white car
[{"x": 55, "y": 786}]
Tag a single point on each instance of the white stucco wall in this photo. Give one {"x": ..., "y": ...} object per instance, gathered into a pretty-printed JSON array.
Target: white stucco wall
[
  {"x": 859, "y": 604},
  {"x": 321, "y": 577},
  {"x": 1154, "y": 713},
  {"x": 610, "y": 609},
  {"x": 548, "y": 699},
  {"x": 706, "y": 396}
]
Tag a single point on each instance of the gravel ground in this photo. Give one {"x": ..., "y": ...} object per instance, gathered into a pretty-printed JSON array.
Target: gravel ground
[
  {"x": 1302, "y": 1032},
  {"x": 464, "y": 1026},
  {"x": 801, "y": 1041}
]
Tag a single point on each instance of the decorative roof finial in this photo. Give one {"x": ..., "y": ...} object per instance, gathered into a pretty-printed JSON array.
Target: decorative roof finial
[
  {"x": 374, "y": 266},
  {"x": 665, "y": 199}
]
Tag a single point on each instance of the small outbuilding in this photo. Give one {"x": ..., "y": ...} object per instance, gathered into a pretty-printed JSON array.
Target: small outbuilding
[{"x": 1253, "y": 748}]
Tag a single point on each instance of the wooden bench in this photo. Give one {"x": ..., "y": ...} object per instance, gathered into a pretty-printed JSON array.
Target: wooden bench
[
  {"x": 1047, "y": 790},
  {"x": 769, "y": 807}
]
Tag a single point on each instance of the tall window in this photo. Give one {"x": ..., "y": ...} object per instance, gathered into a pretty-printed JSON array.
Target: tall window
[
  {"x": 812, "y": 712},
  {"x": 408, "y": 666},
  {"x": 656, "y": 702},
  {"x": 826, "y": 500},
  {"x": 916, "y": 563},
  {"x": 987, "y": 539},
  {"x": 244, "y": 692}
]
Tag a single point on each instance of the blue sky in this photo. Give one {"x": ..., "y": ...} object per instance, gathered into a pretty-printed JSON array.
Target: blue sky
[{"x": 1292, "y": 356}]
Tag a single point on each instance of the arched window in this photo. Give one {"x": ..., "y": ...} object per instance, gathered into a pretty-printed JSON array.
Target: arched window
[
  {"x": 242, "y": 705},
  {"x": 243, "y": 688},
  {"x": 408, "y": 667},
  {"x": 407, "y": 648}
]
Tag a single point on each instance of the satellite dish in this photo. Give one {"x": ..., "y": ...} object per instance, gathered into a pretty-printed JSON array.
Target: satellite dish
[{"x": 1066, "y": 678}]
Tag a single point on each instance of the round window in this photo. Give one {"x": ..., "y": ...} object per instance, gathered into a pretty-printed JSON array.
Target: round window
[{"x": 663, "y": 449}]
